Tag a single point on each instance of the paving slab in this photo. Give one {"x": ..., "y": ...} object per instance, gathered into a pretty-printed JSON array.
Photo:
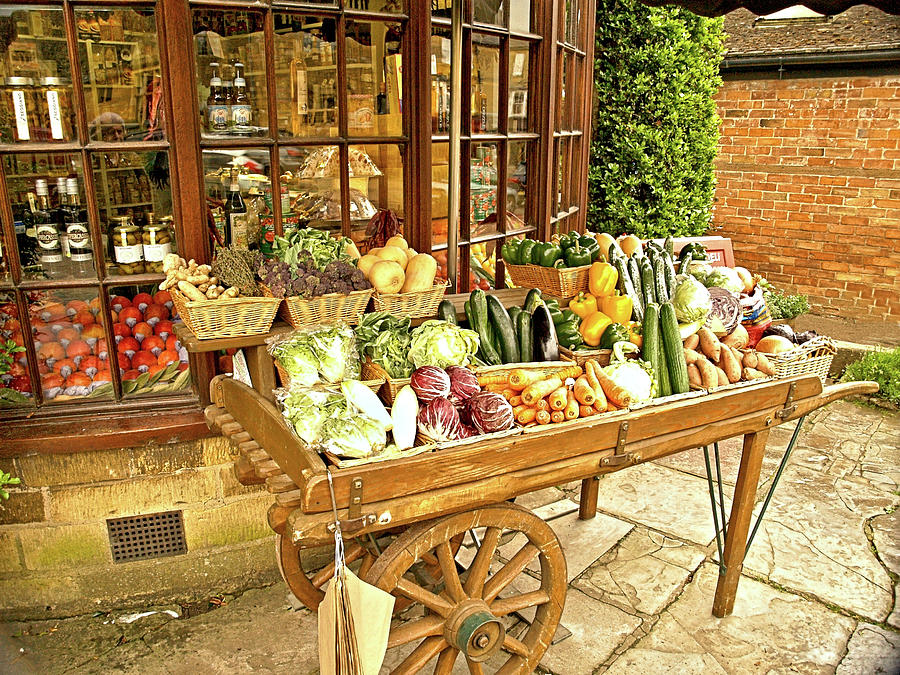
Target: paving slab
[
  {"x": 886, "y": 540},
  {"x": 871, "y": 650},
  {"x": 643, "y": 573},
  {"x": 769, "y": 631}
]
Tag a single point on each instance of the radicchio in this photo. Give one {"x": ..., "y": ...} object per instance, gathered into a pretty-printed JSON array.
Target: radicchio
[
  {"x": 490, "y": 412},
  {"x": 467, "y": 432},
  {"x": 463, "y": 384},
  {"x": 429, "y": 383},
  {"x": 439, "y": 420}
]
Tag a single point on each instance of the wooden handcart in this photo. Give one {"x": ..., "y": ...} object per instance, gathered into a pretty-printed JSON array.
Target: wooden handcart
[{"x": 405, "y": 519}]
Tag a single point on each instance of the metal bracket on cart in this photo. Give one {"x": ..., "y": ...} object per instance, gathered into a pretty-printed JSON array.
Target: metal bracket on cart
[
  {"x": 789, "y": 407},
  {"x": 620, "y": 457}
]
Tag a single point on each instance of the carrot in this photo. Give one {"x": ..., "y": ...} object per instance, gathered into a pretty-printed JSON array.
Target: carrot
[
  {"x": 542, "y": 417},
  {"x": 509, "y": 393},
  {"x": 558, "y": 398},
  {"x": 542, "y": 404},
  {"x": 599, "y": 395},
  {"x": 515, "y": 400},
  {"x": 583, "y": 391},
  {"x": 571, "y": 411},
  {"x": 485, "y": 380},
  {"x": 610, "y": 406},
  {"x": 520, "y": 378},
  {"x": 519, "y": 408},
  {"x": 527, "y": 415},
  {"x": 613, "y": 391},
  {"x": 586, "y": 411},
  {"x": 540, "y": 389},
  {"x": 598, "y": 410},
  {"x": 557, "y": 416},
  {"x": 497, "y": 388},
  {"x": 568, "y": 371}
]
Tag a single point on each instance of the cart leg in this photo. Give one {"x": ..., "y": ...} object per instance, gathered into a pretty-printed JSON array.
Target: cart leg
[
  {"x": 590, "y": 488},
  {"x": 739, "y": 522}
]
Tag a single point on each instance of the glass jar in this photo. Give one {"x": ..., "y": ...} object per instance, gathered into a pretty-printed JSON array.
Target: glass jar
[
  {"x": 53, "y": 102},
  {"x": 18, "y": 121},
  {"x": 127, "y": 247},
  {"x": 157, "y": 241}
]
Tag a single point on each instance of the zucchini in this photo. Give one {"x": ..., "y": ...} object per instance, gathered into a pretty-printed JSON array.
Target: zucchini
[
  {"x": 673, "y": 349},
  {"x": 478, "y": 303},
  {"x": 670, "y": 274},
  {"x": 652, "y": 349},
  {"x": 532, "y": 300},
  {"x": 447, "y": 312},
  {"x": 659, "y": 278},
  {"x": 543, "y": 333},
  {"x": 627, "y": 288},
  {"x": 669, "y": 245},
  {"x": 503, "y": 330},
  {"x": 523, "y": 330},
  {"x": 684, "y": 267},
  {"x": 514, "y": 315},
  {"x": 470, "y": 318},
  {"x": 648, "y": 288},
  {"x": 634, "y": 273}
]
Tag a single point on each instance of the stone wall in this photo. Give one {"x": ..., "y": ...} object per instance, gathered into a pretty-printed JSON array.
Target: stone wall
[
  {"x": 809, "y": 188},
  {"x": 55, "y": 557}
]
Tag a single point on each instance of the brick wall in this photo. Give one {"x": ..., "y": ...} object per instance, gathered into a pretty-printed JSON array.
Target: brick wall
[{"x": 809, "y": 188}]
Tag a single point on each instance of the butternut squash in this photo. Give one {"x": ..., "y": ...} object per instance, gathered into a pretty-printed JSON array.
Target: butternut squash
[
  {"x": 398, "y": 255},
  {"x": 387, "y": 276},
  {"x": 420, "y": 273}
]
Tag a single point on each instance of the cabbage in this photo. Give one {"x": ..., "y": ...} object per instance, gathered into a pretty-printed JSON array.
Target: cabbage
[
  {"x": 442, "y": 344},
  {"x": 724, "y": 277},
  {"x": 326, "y": 352},
  {"x": 635, "y": 376},
  {"x": 353, "y": 436},
  {"x": 691, "y": 300}
]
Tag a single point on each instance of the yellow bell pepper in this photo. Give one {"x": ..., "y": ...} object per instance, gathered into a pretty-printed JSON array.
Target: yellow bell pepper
[
  {"x": 635, "y": 333},
  {"x": 617, "y": 307},
  {"x": 583, "y": 304},
  {"x": 602, "y": 279},
  {"x": 592, "y": 328}
]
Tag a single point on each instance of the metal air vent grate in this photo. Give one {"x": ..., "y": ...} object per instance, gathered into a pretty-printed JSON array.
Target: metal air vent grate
[{"x": 154, "y": 535}]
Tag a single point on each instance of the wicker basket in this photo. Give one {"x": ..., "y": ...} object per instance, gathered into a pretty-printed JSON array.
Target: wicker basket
[
  {"x": 415, "y": 304},
  {"x": 580, "y": 356},
  {"x": 300, "y": 312},
  {"x": 388, "y": 391},
  {"x": 228, "y": 318},
  {"x": 563, "y": 283},
  {"x": 285, "y": 379},
  {"x": 811, "y": 358}
]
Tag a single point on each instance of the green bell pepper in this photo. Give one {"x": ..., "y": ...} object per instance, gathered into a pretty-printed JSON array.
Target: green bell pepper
[
  {"x": 525, "y": 251},
  {"x": 560, "y": 264},
  {"x": 577, "y": 256},
  {"x": 568, "y": 336},
  {"x": 571, "y": 317},
  {"x": 552, "y": 303},
  {"x": 510, "y": 251},
  {"x": 615, "y": 332},
  {"x": 568, "y": 240},
  {"x": 556, "y": 315},
  {"x": 545, "y": 254}
]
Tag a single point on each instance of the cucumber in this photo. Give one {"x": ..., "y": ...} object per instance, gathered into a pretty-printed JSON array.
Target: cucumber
[
  {"x": 648, "y": 288},
  {"x": 447, "y": 312},
  {"x": 673, "y": 349},
  {"x": 659, "y": 278},
  {"x": 523, "y": 330},
  {"x": 504, "y": 333},
  {"x": 532, "y": 300},
  {"x": 669, "y": 245},
  {"x": 482, "y": 325},
  {"x": 634, "y": 273},
  {"x": 627, "y": 288},
  {"x": 670, "y": 274},
  {"x": 684, "y": 267},
  {"x": 514, "y": 314},
  {"x": 652, "y": 349}
]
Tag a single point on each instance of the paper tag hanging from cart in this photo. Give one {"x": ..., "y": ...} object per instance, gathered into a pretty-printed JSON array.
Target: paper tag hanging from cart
[{"x": 354, "y": 617}]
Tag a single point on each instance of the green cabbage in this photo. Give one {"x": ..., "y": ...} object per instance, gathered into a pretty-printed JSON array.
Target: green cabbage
[
  {"x": 633, "y": 375},
  {"x": 724, "y": 277},
  {"x": 326, "y": 352},
  {"x": 691, "y": 300},
  {"x": 353, "y": 436},
  {"x": 442, "y": 344}
]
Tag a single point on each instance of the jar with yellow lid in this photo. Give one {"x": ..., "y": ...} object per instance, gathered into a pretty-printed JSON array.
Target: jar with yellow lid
[
  {"x": 128, "y": 250},
  {"x": 156, "y": 236}
]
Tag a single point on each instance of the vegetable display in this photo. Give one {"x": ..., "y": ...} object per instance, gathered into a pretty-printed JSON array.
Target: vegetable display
[
  {"x": 442, "y": 344},
  {"x": 385, "y": 339},
  {"x": 322, "y": 353}
]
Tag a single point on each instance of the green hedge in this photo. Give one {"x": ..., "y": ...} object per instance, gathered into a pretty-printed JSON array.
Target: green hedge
[{"x": 655, "y": 128}]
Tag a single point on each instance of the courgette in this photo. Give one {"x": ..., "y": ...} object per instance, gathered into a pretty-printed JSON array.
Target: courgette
[
  {"x": 470, "y": 318},
  {"x": 523, "y": 331},
  {"x": 627, "y": 288},
  {"x": 532, "y": 300},
  {"x": 504, "y": 333},
  {"x": 659, "y": 278},
  {"x": 684, "y": 267},
  {"x": 673, "y": 349},
  {"x": 514, "y": 315},
  {"x": 669, "y": 246},
  {"x": 447, "y": 312},
  {"x": 648, "y": 288},
  {"x": 544, "y": 341},
  {"x": 670, "y": 273},
  {"x": 652, "y": 349},
  {"x": 478, "y": 303}
]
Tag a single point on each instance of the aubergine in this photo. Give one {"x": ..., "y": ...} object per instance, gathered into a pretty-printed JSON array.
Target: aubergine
[
  {"x": 544, "y": 341},
  {"x": 782, "y": 329},
  {"x": 805, "y": 336}
]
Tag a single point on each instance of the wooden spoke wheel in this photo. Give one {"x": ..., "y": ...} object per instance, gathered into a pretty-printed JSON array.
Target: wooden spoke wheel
[
  {"x": 465, "y": 615},
  {"x": 308, "y": 587}
]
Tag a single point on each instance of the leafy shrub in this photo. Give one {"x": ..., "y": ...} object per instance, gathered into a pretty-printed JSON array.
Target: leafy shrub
[
  {"x": 783, "y": 305},
  {"x": 655, "y": 132},
  {"x": 881, "y": 367}
]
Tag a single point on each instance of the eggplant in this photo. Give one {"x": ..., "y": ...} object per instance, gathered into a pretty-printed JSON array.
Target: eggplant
[
  {"x": 805, "y": 336},
  {"x": 782, "y": 329},
  {"x": 544, "y": 341}
]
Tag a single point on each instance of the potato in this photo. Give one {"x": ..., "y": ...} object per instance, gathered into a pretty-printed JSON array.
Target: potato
[{"x": 692, "y": 342}]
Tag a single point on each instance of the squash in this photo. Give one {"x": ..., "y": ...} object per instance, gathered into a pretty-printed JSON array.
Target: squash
[
  {"x": 398, "y": 241},
  {"x": 365, "y": 263},
  {"x": 411, "y": 253},
  {"x": 398, "y": 255},
  {"x": 605, "y": 239},
  {"x": 629, "y": 244},
  {"x": 420, "y": 273},
  {"x": 387, "y": 276}
]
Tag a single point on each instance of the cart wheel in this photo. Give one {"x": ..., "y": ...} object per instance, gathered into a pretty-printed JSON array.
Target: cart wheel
[
  {"x": 465, "y": 615},
  {"x": 307, "y": 588}
]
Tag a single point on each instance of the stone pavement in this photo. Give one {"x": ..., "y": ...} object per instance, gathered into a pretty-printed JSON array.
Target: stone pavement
[{"x": 818, "y": 593}]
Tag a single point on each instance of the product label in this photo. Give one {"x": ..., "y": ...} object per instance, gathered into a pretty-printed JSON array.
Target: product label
[
  {"x": 21, "y": 113},
  {"x": 238, "y": 224},
  {"x": 128, "y": 254},
  {"x": 240, "y": 114},
  {"x": 218, "y": 116},
  {"x": 19, "y": 226},
  {"x": 47, "y": 237},
  {"x": 79, "y": 241},
  {"x": 55, "y": 118},
  {"x": 156, "y": 252}
]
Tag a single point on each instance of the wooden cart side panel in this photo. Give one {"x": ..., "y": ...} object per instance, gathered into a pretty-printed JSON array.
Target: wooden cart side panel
[
  {"x": 478, "y": 461},
  {"x": 263, "y": 421}
]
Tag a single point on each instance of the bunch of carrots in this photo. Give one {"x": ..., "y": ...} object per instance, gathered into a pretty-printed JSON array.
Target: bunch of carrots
[{"x": 550, "y": 396}]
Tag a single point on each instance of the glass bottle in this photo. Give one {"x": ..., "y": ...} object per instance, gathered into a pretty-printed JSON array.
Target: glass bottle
[
  {"x": 59, "y": 213},
  {"x": 18, "y": 106},
  {"x": 235, "y": 215},
  {"x": 128, "y": 250},
  {"x": 47, "y": 233},
  {"x": 240, "y": 101},
  {"x": 54, "y": 108},
  {"x": 81, "y": 253},
  {"x": 216, "y": 105}
]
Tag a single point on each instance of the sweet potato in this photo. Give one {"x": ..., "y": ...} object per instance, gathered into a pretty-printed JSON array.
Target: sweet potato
[
  {"x": 707, "y": 374},
  {"x": 752, "y": 374},
  {"x": 709, "y": 344},
  {"x": 692, "y": 342},
  {"x": 722, "y": 377},
  {"x": 764, "y": 365},
  {"x": 750, "y": 359},
  {"x": 691, "y": 356},
  {"x": 730, "y": 365},
  {"x": 694, "y": 375}
]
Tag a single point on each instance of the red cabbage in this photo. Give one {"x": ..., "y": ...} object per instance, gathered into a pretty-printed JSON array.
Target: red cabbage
[
  {"x": 467, "y": 432},
  {"x": 439, "y": 420},
  {"x": 726, "y": 306},
  {"x": 490, "y": 412},
  {"x": 429, "y": 383},
  {"x": 463, "y": 384}
]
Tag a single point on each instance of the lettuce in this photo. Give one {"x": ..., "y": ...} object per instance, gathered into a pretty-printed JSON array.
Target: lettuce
[
  {"x": 442, "y": 344},
  {"x": 691, "y": 300}
]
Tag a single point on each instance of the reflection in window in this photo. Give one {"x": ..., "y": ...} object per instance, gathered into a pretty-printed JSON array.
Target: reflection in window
[
  {"x": 518, "y": 85},
  {"x": 311, "y": 188},
  {"x": 516, "y": 180},
  {"x": 483, "y": 204},
  {"x": 485, "y": 84},
  {"x": 374, "y": 78},
  {"x": 15, "y": 384},
  {"x": 245, "y": 172}
]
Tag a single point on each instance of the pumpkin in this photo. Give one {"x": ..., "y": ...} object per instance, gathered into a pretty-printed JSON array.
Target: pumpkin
[{"x": 420, "y": 273}]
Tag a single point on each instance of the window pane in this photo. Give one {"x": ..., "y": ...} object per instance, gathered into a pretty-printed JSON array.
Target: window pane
[
  {"x": 490, "y": 12},
  {"x": 520, "y": 15},
  {"x": 485, "y": 84},
  {"x": 151, "y": 359},
  {"x": 393, "y": 6},
  {"x": 232, "y": 173},
  {"x": 483, "y": 206},
  {"x": 15, "y": 384},
  {"x": 134, "y": 199},
  {"x": 440, "y": 182},
  {"x": 441, "y": 8},
  {"x": 440, "y": 81},
  {"x": 73, "y": 356},
  {"x": 374, "y": 73},
  {"x": 231, "y": 72},
  {"x": 562, "y": 109},
  {"x": 119, "y": 55},
  {"x": 516, "y": 181},
  {"x": 519, "y": 61},
  {"x": 575, "y": 176},
  {"x": 310, "y": 191},
  {"x": 376, "y": 180},
  {"x": 306, "y": 75},
  {"x": 36, "y": 92}
]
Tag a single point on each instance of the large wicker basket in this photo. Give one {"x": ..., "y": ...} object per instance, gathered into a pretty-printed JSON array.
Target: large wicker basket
[
  {"x": 388, "y": 391},
  {"x": 228, "y": 318},
  {"x": 415, "y": 304},
  {"x": 563, "y": 283},
  {"x": 300, "y": 312},
  {"x": 811, "y": 358}
]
